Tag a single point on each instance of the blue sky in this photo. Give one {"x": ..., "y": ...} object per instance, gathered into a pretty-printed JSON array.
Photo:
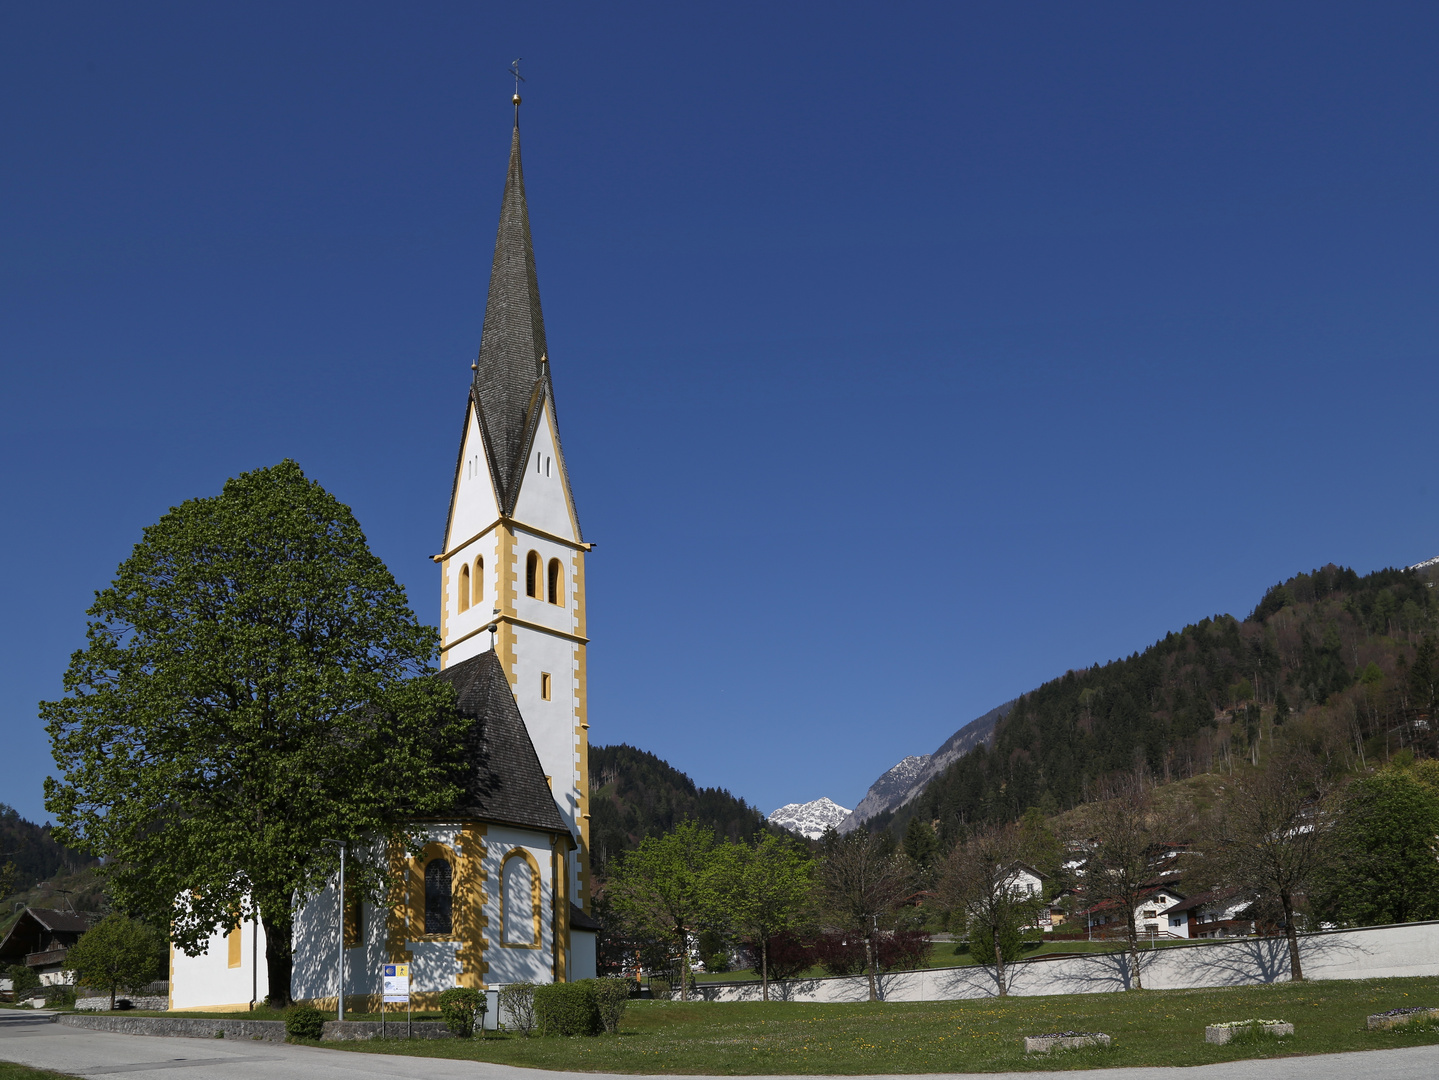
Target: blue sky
[{"x": 905, "y": 355}]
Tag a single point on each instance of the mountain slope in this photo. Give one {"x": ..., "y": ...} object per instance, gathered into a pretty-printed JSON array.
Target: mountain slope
[
  {"x": 907, "y": 779},
  {"x": 1348, "y": 664},
  {"x": 634, "y": 794}
]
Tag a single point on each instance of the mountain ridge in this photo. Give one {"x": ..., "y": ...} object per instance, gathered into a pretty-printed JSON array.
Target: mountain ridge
[
  {"x": 906, "y": 780},
  {"x": 812, "y": 819}
]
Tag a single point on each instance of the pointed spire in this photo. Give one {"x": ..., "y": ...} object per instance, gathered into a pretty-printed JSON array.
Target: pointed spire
[{"x": 512, "y": 341}]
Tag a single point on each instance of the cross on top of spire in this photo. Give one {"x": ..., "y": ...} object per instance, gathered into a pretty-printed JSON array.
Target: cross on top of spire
[{"x": 515, "y": 71}]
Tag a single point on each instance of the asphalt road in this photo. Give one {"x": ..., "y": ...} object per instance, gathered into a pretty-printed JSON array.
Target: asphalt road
[{"x": 33, "y": 1040}]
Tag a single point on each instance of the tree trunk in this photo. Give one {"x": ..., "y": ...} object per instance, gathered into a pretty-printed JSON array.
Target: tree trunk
[
  {"x": 869, "y": 965},
  {"x": 1296, "y": 973},
  {"x": 279, "y": 961},
  {"x": 1134, "y": 950},
  {"x": 113, "y": 988},
  {"x": 764, "y": 967},
  {"x": 684, "y": 965},
  {"x": 999, "y": 963}
]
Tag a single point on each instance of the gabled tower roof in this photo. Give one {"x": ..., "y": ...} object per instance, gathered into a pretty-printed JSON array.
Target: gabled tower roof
[{"x": 509, "y": 374}]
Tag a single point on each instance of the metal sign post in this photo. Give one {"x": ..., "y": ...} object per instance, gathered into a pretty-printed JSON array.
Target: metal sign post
[{"x": 396, "y": 988}]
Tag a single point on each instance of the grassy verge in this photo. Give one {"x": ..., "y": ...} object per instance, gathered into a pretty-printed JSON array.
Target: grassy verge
[
  {"x": 1163, "y": 1027},
  {"x": 10, "y": 1071}
]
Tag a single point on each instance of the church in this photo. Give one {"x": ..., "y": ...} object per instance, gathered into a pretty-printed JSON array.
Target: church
[{"x": 500, "y": 892}]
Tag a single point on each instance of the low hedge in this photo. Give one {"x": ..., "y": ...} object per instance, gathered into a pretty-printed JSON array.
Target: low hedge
[{"x": 568, "y": 1009}]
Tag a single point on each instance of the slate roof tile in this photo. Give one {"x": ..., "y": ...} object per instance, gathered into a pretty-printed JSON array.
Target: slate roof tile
[{"x": 504, "y": 782}]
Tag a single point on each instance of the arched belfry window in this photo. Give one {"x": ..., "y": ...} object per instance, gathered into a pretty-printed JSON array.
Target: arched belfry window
[
  {"x": 464, "y": 586},
  {"x": 438, "y": 897},
  {"x": 556, "y": 583},
  {"x": 532, "y": 574},
  {"x": 479, "y": 586}
]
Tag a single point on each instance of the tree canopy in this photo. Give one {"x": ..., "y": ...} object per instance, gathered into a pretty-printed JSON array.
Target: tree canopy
[{"x": 252, "y": 684}]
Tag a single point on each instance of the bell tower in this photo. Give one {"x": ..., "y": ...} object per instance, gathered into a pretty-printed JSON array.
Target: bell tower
[{"x": 512, "y": 569}]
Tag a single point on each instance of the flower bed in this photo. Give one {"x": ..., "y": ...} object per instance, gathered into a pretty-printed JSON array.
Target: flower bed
[
  {"x": 1064, "y": 1040},
  {"x": 1222, "y": 1034},
  {"x": 1396, "y": 1017}
]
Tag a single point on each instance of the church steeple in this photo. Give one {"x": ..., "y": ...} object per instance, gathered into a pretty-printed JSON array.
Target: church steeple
[{"x": 510, "y": 376}]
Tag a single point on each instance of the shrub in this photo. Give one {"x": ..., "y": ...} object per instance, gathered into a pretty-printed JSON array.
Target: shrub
[
  {"x": 839, "y": 954},
  {"x": 789, "y": 955},
  {"x": 60, "y": 997},
  {"x": 304, "y": 1022},
  {"x": 611, "y": 997},
  {"x": 22, "y": 979},
  {"x": 517, "y": 1006},
  {"x": 661, "y": 990},
  {"x": 902, "y": 950},
  {"x": 462, "y": 1009},
  {"x": 568, "y": 1009}
]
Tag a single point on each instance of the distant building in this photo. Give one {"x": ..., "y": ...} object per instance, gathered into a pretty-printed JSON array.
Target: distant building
[{"x": 40, "y": 939}]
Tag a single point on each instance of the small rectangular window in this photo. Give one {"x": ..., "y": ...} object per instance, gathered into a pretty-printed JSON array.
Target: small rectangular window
[{"x": 545, "y": 685}]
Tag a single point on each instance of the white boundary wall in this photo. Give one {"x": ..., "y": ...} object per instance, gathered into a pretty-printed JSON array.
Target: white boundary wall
[{"x": 1374, "y": 952}]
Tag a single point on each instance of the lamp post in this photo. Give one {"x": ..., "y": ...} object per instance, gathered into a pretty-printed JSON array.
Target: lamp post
[{"x": 340, "y": 1015}]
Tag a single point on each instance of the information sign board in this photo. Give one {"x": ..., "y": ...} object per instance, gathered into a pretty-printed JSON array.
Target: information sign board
[{"x": 397, "y": 983}]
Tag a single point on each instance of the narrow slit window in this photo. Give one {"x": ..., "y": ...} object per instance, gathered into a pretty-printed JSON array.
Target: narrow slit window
[
  {"x": 532, "y": 574},
  {"x": 545, "y": 686},
  {"x": 556, "y": 583},
  {"x": 465, "y": 587},
  {"x": 477, "y": 590}
]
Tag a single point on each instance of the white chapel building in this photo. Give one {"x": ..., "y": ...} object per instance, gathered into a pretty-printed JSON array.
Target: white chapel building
[{"x": 501, "y": 891}]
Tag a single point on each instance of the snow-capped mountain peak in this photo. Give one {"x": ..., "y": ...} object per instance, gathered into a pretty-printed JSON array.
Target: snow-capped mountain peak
[{"x": 809, "y": 819}]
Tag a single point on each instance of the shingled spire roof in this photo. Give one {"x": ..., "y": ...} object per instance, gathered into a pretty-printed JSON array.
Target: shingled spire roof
[{"x": 510, "y": 378}]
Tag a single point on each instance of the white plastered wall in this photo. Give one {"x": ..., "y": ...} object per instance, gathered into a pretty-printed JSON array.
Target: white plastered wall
[
  {"x": 475, "y": 504},
  {"x": 543, "y": 500},
  {"x": 511, "y": 964},
  {"x": 208, "y": 981}
]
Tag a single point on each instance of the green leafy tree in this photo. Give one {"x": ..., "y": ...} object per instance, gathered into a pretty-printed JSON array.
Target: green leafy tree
[
  {"x": 770, "y": 891},
  {"x": 862, "y": 878},
  {"x": 22, "y": 978},
  {"x": 1388, "y": 871},
  {"x": 672, "y": 886},
  {"x": 117, "y": 953},
  {"x": 250, "y": 686}
]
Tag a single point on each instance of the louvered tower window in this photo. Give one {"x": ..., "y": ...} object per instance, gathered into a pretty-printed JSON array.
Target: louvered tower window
[
  {"x": 556, "y": 583},
  {"x": 532, "y": 575},
  {"x": 438, "y": 900},
  {"x": 465, "y": 587}
]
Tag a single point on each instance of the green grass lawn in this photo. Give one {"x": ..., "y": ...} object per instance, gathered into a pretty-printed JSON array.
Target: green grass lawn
[{"x": 1149, "y": 1027}]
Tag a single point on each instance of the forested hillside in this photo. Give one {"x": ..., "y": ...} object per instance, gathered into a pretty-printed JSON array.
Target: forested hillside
[
  {"x": 30, "y": 854},
  {"x": 634, "y": 794},
  {"x": 1345, "y": 664}
]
